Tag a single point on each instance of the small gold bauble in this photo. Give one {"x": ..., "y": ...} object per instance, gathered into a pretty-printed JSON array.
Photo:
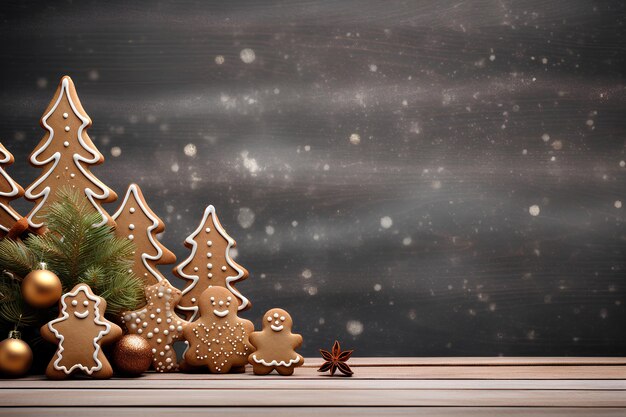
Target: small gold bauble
[
  {"x": 15, "y": 355},
  {"x": 132, "y": 355},
  {"x": 41, "y": 288}
]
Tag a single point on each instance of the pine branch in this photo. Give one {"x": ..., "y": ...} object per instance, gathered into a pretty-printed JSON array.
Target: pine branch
[
  {"x": 77, "y": 252},
  {"x": 16, "y": 257},
  {"x": 12, "y": 307}
]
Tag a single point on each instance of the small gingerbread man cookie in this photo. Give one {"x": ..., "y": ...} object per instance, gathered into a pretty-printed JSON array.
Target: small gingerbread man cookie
[
  {"x": 80, "y": 331},
  {"x": 218, "y": 339},
  {"x": 275, "y": 345},
  {"x": 158, "y": 324}
]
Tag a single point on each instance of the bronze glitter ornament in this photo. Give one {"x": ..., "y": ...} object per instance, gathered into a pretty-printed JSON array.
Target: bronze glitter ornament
[
  {"x": 41, "y": 288},
  {"x": 132, "y": 355},
  {"x": 15, "y": 355}
]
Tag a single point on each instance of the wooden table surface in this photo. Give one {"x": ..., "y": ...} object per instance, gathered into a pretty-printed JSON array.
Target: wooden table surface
[{"x": 380, "y": 386}]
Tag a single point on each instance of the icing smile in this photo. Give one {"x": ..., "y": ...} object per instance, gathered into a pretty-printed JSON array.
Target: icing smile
[
  {"x": 222, "y": 313},
  {"x": 277, "y": 328},
  {"x": 82, "y": 315}
]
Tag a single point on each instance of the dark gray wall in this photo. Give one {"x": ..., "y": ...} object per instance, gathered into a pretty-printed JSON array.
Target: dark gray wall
[{"x": 415, "y": 239}]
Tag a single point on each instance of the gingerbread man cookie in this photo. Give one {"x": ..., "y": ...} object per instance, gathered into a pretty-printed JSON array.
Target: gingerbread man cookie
[
  {"x": 137, "y": 222},
  {"x": 275, "y": 345},
  {"x": 9, "y": 191},
  {"x": 218, "y": 339},
  {"x": 158, "y": 324},
  {"x": 80, "y": 331},
  {"x": 209, "y": 264},
  {"x": 65, "y": 153}
]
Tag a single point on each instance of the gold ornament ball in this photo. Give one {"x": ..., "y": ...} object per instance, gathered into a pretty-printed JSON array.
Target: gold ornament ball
[
  {"x": 41, "y": 288},
  {"x": 15, "y": 355},
  {"x": 132, "y": 355}
]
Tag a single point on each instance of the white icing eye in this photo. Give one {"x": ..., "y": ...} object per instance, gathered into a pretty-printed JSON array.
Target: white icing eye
[
  {"x": 212, "y": 298},
  {"x": 275, "y": 315},
  {"x": 85, "y": 303},
  {"x": 74, "y": 303},
  {"x": 228, "y": 303},
  {"x": 229, "y": 298},
  {"x": 269, "y": 319},
  {"x": 282, "y": 318}
]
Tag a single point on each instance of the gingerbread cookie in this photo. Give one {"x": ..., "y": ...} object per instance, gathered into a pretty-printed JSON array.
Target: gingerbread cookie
[
  {"x": 158, "y": 324},
  {"x": 80, "y": 331},
  {"x": 65, "y": 153},
  {"x": 137, "y": 222},
  {"x": 275, "y": 345},
  {"x": 209, "y": 264},
  {"x": 218, "y": 339},
  {"x": 9, "y": 191}
]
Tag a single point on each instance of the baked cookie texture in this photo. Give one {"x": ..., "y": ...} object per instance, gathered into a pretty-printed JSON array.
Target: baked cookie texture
[
  {"x": 158, "y": 324},
  {"x": 209, "y": 265},
  {"x": 80, "y": 331},
  {"x": 136, "y": 221},
  {"x": 66, "y": 154},
  {"x": 275, "y": 345},
  {"x": 218, "y": 339}
]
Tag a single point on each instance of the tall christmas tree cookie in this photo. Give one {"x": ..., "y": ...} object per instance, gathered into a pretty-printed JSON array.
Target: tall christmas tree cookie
[
  {"x": 137, "y": 222},
  {"x": 9, "y": 191},
  {"x": 158, "y": 324},
  {"x": 218, "y": 339},
  {"x": 65, "y": 153},
  {"x": 80, "y": 331},
  {"x": 209, "y": 264}
]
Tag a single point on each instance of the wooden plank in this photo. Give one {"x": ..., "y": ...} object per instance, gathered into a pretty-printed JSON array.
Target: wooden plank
[
  {"x": 315, "y": 412},
  {"x": 475, "y": 361},
  {"x": 311, "y": 398},
  {"x": 194, "y": 382},
  {"x": 500, "y": 372}
]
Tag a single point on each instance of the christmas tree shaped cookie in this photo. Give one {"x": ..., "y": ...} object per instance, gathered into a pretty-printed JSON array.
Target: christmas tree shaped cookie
[
  {"x": 218, "y": 339},
  {"x": 158, "y": 324},
  {"x": 137, "y": 222},
  {"x": 65, "y": 153},
  {"x": 209, "y": 264},
  {"x": 80, "y": 331},
  {"x": 9, "y": 191},
  {"x": 275, "y": 345}
]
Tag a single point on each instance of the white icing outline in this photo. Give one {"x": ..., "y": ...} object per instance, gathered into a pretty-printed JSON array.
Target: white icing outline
[
  {"x": 77, "y": 160},
  {"x": 133, "y": 189},
  {"x": 222, "y": 313},
  {"x": 6, "y": 158},
  {"x": 194, "y": 248},
  {"x": 84, "y": 288},
  {"x": 277, "y": 328},
  {"x": 274, "y": 363}
]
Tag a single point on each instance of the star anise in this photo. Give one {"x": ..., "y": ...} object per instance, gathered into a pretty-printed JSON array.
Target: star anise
[{"x": 336, "y": 360}]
